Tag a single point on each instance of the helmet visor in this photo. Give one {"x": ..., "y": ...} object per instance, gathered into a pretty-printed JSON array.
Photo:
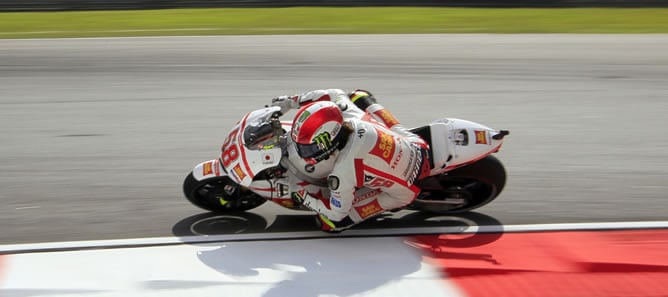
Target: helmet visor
[{"x": 309, "y": 150}]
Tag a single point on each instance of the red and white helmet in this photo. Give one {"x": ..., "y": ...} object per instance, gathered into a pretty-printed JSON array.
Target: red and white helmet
[{"x": 316, "y": 131}]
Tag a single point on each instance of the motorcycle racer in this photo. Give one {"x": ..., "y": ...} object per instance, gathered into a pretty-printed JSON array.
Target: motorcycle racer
[{"x": 368, "y": 160}]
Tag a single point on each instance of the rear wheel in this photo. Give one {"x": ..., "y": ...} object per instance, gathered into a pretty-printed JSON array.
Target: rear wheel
[
  {"x": 219, "y": 194},
  {"x": 462, "y": 189}
]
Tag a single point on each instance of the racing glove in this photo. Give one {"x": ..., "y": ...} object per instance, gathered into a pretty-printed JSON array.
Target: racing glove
[
  {"x": 362, "y": 98},
  {"x": 298, "y": 197},
  {"x": 286, "y": 103}
]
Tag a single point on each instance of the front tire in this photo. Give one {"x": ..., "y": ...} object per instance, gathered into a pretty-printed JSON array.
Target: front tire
[
  {"x": 219, "y": 194},
  {"x": 462, "y": 189}
]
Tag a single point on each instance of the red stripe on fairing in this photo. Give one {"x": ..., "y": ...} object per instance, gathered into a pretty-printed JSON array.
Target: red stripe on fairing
[
  {"x": 393, "y": 178},
  {"x": 261, "y": 189},
  {"x": 243, "y": 149},
  {"x": 553, "y": 264},
  {"x": 496, "y": 149}
]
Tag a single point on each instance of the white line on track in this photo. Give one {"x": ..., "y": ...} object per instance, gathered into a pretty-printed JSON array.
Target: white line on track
[{"x": 156, "y": 241}]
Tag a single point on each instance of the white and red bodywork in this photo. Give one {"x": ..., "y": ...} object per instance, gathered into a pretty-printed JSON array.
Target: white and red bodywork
[{"x": 454, "y": 143}]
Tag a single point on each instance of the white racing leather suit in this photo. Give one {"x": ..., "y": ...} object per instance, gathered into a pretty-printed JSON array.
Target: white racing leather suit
[{"x": 374, "y": 172}]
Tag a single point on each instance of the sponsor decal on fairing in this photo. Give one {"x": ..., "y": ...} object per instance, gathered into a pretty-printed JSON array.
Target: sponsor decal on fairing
[
  {"x": 481, "y": 137},
  {"x": 207, "y": 168},
  {"x": 267, "y": 158},
  {"x": 239, "y": 172},
  {"x": 216, "y": 167}
]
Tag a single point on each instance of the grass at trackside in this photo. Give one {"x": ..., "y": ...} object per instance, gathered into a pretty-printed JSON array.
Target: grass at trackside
[{"x": 321, "y": 20}]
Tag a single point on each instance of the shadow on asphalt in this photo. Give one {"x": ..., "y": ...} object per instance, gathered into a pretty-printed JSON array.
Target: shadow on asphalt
[{"x": 249, "y": 223}]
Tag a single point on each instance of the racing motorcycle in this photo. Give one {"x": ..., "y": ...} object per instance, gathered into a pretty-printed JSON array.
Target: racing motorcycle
[{"x": 464, "y": 176}]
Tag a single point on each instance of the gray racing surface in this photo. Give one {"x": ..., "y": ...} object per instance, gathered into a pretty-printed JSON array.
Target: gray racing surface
[{"x": 96, "y": 135}]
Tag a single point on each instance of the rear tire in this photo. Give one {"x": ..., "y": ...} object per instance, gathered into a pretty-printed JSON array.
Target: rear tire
[
  {"x": 462, "y": 189},
  {"x": 207, "y": 194}
]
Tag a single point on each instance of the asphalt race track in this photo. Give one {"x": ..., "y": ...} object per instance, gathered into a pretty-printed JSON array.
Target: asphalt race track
[{"x": 96, "y": 135}]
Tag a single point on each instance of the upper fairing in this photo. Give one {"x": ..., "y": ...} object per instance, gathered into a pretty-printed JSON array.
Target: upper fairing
[{"x": 241, "y": 160}]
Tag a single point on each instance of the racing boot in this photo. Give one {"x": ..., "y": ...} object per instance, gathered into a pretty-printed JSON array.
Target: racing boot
[{"x": 326, "y": 225}]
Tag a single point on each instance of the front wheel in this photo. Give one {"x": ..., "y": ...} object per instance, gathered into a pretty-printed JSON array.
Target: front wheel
[
  {"x": 219, "y": 194},
  {"x": 462, "y": 189}
]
